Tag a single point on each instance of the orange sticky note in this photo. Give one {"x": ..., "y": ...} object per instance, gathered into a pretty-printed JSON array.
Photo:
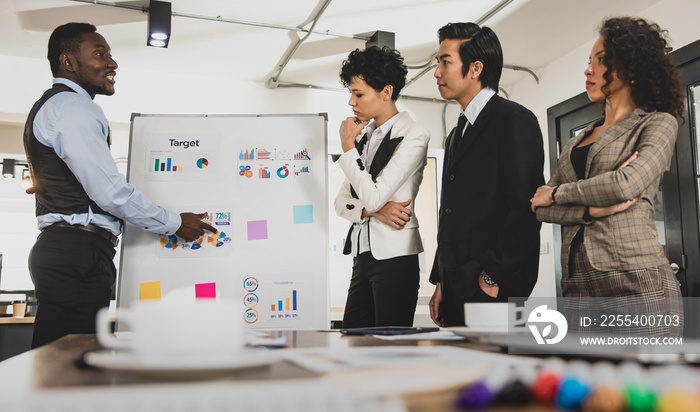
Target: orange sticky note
[{"x": 149, "y": 291}]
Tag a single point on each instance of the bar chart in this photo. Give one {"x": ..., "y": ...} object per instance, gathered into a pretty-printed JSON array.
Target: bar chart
[
  {"x": 263, "y": 154},
  {"x": 302, "y": 155},
  {"x": 247, "y": 155},
  {"x": 337, "y": 247},
  {"x": 166, "y": 166},
  {"x": 263, "y": 173},
  {"x": 300, "y": 170},
  {"x": 285, "y": 304}
]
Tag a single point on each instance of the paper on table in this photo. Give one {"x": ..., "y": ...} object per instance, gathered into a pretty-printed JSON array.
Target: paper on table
[
  {"x": 325, "y": 360},
  {"x": 266, "y": 341},
  {"x": 439, "y": 335},
  {"x": 403, "y": 379},
  {"x": 448, "y": 368}
]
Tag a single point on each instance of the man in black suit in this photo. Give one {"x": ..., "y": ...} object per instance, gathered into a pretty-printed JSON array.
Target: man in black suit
[{"x": 488, "y": 238}]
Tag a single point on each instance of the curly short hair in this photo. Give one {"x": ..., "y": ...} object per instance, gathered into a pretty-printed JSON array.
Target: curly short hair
[
  {"x": 378, "y": 67},
  {"x": 638, "y": 52},
  {"x": 66, "y": 39}
]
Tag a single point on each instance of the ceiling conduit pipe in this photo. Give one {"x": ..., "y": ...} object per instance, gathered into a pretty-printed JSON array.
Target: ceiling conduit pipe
[
  {"x": 224, "y": 20},
  {"x": 525, "y": 69},
  {"x": 444, "y": 124},
  {"x": 273, "y": 82},
  {"x": 337, "y": 89}
]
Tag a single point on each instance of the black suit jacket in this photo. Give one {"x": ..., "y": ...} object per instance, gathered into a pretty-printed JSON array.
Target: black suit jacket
[{"x": 485, "y": 219}]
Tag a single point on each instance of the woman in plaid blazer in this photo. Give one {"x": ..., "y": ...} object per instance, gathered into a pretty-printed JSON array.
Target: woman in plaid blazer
[{"x": 607, "y": 179}]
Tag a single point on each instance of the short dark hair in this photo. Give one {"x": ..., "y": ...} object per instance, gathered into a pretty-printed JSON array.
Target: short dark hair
[
  {"x": 481, "y": 44},
  {"x": 638, "y": 51},
  {"x": 378, "y": 67},
  {"x": 66, "y": 39}
]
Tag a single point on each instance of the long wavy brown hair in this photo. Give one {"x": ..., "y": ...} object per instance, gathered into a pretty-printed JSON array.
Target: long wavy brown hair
[{"x": 638, "y": 52}]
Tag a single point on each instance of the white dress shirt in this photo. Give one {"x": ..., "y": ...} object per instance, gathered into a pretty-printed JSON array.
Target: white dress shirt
[
  {"x": 375, "y": 136},
  {"x": 471, "y": 112}
]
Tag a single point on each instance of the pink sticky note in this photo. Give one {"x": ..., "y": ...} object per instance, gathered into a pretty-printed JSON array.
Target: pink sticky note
[
  {"x": 205, "y": 291},
  {"x": 257, "y": 229}
]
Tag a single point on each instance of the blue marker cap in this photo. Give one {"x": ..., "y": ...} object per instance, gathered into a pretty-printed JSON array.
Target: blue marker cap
[{"x": 571, "y": 394}]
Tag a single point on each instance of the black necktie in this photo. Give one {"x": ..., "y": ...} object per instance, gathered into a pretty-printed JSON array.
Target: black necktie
[{"x": 459, "y": 130}]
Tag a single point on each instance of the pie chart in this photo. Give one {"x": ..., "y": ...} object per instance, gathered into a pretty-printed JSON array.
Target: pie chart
[
  {"x": 197, "y": 244},
  {"x": 217, "y": 239},
  {"x": 169, "y": 243},
  {"x": 202, "y": 163}
]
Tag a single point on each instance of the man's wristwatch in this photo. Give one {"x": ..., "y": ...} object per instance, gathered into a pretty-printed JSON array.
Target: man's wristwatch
[{"x": 487, "y": 279}]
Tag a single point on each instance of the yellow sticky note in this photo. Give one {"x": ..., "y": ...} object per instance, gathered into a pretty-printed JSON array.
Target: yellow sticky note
[{"x": 150, "y": 291}]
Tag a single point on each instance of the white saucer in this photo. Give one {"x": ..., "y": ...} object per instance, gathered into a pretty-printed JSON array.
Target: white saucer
[
  {"x": 472, "y": 332},
  {"x": 186, "y": 366}
]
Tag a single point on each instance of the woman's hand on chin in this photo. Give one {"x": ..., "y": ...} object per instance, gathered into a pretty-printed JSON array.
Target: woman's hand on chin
[{"x": 349, "y": 129}]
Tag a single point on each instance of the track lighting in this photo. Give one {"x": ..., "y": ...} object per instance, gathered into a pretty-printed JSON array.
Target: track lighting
[
  {"x": 159, "y": 13},
  {"x": 381, "y": 39},
  {"x": 8, "y": 168}
]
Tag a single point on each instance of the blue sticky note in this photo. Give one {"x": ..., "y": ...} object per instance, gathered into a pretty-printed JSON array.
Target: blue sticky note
[{"x": 303, "y": 214}]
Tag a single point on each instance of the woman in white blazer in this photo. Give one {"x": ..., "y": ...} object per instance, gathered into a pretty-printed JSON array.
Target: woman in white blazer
[{"x": 383, "y": 168}]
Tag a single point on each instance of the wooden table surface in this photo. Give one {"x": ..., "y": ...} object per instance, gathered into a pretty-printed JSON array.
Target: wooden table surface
[
  {"x": 11, "y": 320},
  {"x": 57, "y": 366}
]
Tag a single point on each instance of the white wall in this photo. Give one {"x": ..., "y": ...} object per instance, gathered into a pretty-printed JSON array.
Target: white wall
[{"x": 17, "y": 234}]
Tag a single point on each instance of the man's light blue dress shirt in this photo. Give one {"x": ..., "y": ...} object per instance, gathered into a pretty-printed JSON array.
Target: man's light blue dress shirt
[{"x": 77, "y": 129}]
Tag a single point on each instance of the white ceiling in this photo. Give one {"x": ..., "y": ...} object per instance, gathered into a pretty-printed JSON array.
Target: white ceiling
[{"x": 533, "y": 33}]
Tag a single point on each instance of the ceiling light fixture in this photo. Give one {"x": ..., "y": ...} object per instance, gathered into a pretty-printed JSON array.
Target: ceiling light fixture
[
  {"x": 381, "y": 39},
  {"x": 159, "y": 13},
  {"x": 8, "y": 168}
]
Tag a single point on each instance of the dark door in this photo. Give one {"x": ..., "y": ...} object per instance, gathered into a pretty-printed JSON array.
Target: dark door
[{"x": 688, "y": 168}]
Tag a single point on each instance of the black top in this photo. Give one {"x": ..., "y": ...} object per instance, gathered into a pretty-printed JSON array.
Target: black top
[
  {"x": 579, "y": 156},
  {"x": 578, "y": 160}
]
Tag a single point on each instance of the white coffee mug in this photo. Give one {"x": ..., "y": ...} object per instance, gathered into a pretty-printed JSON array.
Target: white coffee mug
[
  {"x": 175, "y": 328},
  {"x": 496, "y": 316}
]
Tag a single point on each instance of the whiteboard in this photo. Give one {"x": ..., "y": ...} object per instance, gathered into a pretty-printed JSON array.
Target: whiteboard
[{"x": 262, "y": 179}]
